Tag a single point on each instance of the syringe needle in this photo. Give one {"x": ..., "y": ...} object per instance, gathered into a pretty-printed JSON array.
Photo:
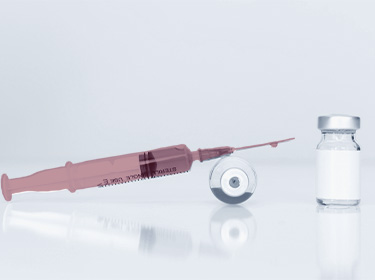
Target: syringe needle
[{"x": 272, "y": 144}]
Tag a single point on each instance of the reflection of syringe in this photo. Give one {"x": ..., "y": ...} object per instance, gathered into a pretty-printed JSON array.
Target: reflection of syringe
[
  {"x": 232, "y": 229},
  {"x": 117, "y": 169},
  {"x": 98, "y": 231}
]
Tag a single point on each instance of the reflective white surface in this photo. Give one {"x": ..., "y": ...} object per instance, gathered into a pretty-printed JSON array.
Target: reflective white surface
[
  {"x": 174, "y": 227},
  {"x": 88, "y": 79}
]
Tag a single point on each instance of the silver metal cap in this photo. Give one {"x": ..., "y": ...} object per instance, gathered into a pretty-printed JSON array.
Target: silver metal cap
[{"x": 338, "y": 122}]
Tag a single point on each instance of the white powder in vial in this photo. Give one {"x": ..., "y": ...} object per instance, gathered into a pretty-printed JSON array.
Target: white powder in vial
[{"x": 338, "y": 174}]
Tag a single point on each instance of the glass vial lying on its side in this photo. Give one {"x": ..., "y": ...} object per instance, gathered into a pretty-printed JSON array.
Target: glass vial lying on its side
[{"x": 338, "y": 161}]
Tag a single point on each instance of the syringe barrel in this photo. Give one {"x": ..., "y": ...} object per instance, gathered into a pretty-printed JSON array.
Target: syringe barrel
[{"x": 103, "y": 172}]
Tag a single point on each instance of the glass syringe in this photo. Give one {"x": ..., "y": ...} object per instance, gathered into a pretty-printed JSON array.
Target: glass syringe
[{"x": 116, "y": 170}]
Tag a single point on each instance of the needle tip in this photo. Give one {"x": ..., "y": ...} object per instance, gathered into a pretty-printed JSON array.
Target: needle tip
[{"x": 273, "y": 144}]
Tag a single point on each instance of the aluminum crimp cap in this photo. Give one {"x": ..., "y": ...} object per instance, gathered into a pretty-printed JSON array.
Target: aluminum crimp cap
[{"x": 338, "y": 122}]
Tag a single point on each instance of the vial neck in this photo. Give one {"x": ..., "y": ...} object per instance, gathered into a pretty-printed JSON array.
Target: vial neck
[
  {"x": 338, "y": 140},
  {"x": 338, "y": 135}
]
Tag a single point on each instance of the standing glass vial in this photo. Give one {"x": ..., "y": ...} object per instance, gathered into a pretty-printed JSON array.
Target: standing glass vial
[{"x": 338, "y": 161}]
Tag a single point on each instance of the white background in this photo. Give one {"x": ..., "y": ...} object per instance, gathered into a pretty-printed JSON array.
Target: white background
[{"x": 86, "y": 79}]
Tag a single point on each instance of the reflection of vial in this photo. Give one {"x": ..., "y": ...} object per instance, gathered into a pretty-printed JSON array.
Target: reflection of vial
[
  {"x": 338, "y": 158},
  {"x": 232, "y": 229},
  {"x": 338, "y": 241}
]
